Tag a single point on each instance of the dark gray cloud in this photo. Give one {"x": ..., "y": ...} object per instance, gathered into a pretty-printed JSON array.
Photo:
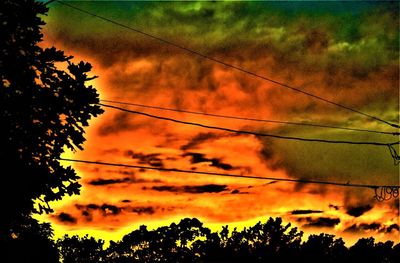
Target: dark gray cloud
[
  {"x": 357, "y": 211},
  {"x": 316, "y": 41},
  {"x": 237, "y": 191},
  {"x": 393, "y": 227},
  {"x": 353, "y": 229},
  {"x": 152, "y": 159},
  {"x": 374, "y": 226},
  {"x": 132, "y": 179},
  {"x": 66, "y": 218},
  {"x": 149, "y": 210},
  {"x": 199, "y": 139},
  {"x": 121, "y": 121},
  {"x": 98, "y": 182},
  {"x": 106, "y": 209},
  {"x": 110, "y": 209},
  {"x": 306, "y": 211},
  {"x": 395, "y": 204},
  {"x": 318, "y": 221},
  {"x": 215, "y": 162},
  {"x": 192, "y": 189},
  {"x": 333, "y": 206},
  {"x": 113, "y": 210}
]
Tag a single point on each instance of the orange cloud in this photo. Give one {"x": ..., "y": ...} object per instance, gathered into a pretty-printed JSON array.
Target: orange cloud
[{"x": 138, "y": 70}]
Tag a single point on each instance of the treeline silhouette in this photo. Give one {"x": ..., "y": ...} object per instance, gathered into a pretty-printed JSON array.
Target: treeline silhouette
[{"x": 190, "y": 241}]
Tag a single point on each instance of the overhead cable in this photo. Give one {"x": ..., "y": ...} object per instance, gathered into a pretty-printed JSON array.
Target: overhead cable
[
  {"x": 248, "y": 132},
  {"x": 249, "y": 119},
  {"x": 392, "y": 150},
  {"x": 382, "y": 192}
]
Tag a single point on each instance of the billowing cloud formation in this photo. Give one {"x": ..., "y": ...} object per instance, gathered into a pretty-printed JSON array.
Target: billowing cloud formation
[{"x": 344, "y": 52}]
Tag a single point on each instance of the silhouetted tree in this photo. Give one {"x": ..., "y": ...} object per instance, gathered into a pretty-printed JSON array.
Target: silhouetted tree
[
  {"x": 209, "y": 248},
  {"x": 365, "y": 250},
  {"x": 43, "y": 109},
  {"x": 323, "y": 248},
  {"x": 274, "y": 241},
  {"x": 28, "y": 241},
  {"x": 270, "y": 241},
  {"x": 190, "y": 241},
  {"x": 165, "y": 244},
  {"x": 395, "y": 253},
  {"x": 133, "y": 247},
  {"x": 81, "y": 250},
  {"x": 383, "y": 250}
]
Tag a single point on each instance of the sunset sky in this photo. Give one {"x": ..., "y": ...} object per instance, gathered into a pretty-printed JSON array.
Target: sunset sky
[{"x": 346, "y": 52}]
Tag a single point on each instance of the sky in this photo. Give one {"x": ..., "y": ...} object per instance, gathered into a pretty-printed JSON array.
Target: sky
[{"x": 346, "y": 52}]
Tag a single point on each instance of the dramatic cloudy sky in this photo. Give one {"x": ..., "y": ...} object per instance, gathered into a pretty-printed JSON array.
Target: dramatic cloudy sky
[{"x": 346, "y": 52}]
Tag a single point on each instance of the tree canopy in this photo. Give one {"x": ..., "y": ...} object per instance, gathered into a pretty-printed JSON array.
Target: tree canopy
[
  {"x": 190, "y": 241},
  {"x": 45, "y": 103}
]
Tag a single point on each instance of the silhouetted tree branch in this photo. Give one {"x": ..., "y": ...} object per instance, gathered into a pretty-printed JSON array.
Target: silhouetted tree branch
[{"x": 43, "y": 109}]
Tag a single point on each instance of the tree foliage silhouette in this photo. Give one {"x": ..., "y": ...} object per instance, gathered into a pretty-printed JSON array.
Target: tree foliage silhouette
[
  {"x": 28, "y": 241},
  {"x": 165, "y": 244},
  {"x": 190, "y": 241},
  {"x": 86, "y": 249},
  {"x": 367, "y": 251},
  {"x": 269, "y": 241},
  {"x": 323, "y": 247},
  {"x": 43, "y": 109}
]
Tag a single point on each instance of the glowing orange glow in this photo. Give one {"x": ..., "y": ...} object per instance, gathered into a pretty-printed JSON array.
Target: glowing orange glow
[{"x": 114, "y": 201}]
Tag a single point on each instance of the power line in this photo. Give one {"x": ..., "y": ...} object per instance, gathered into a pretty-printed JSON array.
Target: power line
[
  {"x": 217, "y": 174},
  {"x": 380, "y": 197},
  {"x": 228, "y": 65},
  {"x": 393, "y": 152},
  {"x": 250, "y": 119},
  {"x": 249, "y": 132}
]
